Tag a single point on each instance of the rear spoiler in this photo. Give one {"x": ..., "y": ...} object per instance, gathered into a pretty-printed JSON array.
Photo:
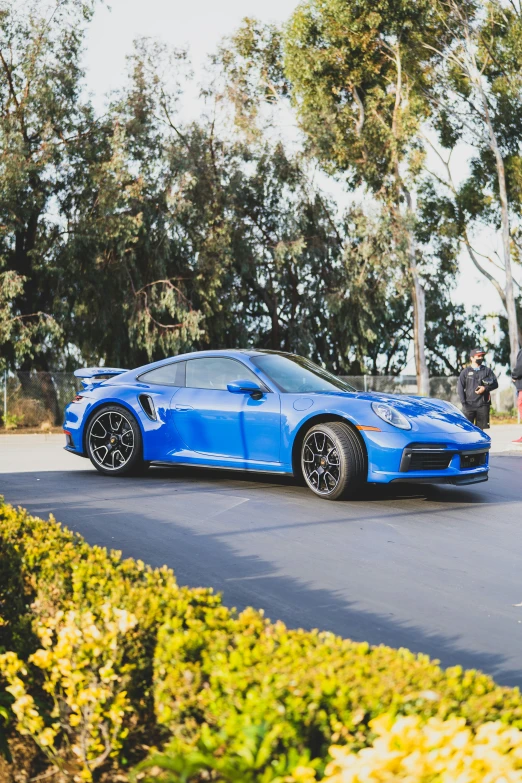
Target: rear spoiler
[{"x": 89, "y": 375}]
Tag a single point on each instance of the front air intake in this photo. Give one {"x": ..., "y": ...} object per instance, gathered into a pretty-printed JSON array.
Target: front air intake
[
  {"x": 147, "y": 405},
  {"x": 426, "y": 456}
]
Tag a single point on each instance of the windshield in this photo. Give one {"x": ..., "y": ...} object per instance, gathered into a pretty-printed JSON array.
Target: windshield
[{"x": 295, "y": 374}]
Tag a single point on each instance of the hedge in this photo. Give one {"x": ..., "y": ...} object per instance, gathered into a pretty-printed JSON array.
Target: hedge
[{"x": 112, "y": 671}]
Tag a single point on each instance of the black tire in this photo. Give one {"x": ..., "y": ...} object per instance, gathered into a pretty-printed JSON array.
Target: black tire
[
  {"x": 333, "y": 460},
  {"x": 113, "y": 442}
]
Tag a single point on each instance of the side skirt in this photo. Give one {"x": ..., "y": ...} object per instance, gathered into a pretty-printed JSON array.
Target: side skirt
[{"x": 222, "y": 467}]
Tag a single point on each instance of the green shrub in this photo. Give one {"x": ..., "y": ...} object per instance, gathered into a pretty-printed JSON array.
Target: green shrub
[
  {"x": 84, "y": 674},
  {"x": 58, "y": 572},
  {"x": 280, "y": 698},
  {"x": 107, "y": 663},
  {"x": 15, "y": 597}
]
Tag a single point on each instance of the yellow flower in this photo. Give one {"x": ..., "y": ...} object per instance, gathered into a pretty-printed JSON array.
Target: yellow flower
[
  {"x": 302, "y": 775},
  {"x": 437, "y": 751},
  {"x": 125, "y": 619},
  {"x": 46, "y": 737},
  {"x": 41, "y": 658}
]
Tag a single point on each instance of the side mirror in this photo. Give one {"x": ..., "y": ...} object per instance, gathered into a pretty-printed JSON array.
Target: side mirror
[{"x": 245, "y": 387}]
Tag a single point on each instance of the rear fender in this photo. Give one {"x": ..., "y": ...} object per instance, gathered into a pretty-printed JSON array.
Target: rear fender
[{"x": 136, "y": 412}]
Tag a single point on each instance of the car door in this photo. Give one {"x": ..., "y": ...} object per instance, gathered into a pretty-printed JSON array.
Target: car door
[{"x": 213, "y": 421}]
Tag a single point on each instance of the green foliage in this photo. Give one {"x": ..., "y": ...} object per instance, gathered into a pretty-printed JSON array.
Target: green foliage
[
  {"x": 358, "y": 75},
  {"x": 476, "y": 101},
  {"x": 253, "y": 63},
  {"x": 50, "y": 573},
  {"x": 40, "y": 116},
  {"x": 12, "y": 420},
  {"x": 15, "y": 597},
  {"x": 244, "y": 688},
  {"x": 369, "y": 298},
  {"x": 20, "y": 332},
  {"x": 359, "y": 71},
  {"x": 134, "y": 236},
  {"x": 79, "y": 220},
  {"x": 106, "y": 661}
]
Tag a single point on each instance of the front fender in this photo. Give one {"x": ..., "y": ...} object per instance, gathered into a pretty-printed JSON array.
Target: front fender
[{"x": 295, "y": 420}]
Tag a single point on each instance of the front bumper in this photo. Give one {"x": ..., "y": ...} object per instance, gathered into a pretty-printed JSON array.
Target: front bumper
[
  {"x": 458, "y": 481},
  {"x": 388, "y": 457}
]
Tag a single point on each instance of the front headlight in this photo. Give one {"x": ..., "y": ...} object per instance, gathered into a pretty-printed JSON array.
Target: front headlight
[{"x": 391, "y": 416}]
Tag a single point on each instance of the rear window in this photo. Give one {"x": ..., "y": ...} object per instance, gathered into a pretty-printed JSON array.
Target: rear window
[{"x": 167, "y": 375}]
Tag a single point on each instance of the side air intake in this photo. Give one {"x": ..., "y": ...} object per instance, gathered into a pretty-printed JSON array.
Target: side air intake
[{"x": 147, "y": 404}]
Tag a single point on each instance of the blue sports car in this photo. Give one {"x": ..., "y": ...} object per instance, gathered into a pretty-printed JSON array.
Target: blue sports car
[{"x": 273, "y": 412}]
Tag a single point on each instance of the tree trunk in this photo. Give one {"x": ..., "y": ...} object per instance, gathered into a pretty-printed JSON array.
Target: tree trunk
[
  {"x": 506, "y": 242},
  {"x": 510, "y": 305},
  {"x": 275, "y": 325},
  {"x": 419, "y": 307},
  {"x": 500, "y": 291},
  {"x": 419, "y": 333}
]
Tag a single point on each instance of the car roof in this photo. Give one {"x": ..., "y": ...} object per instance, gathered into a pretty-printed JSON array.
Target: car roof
[{"x": 231, "y": 352}]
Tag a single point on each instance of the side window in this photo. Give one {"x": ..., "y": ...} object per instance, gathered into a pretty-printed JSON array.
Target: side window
[
  {"x": 168, "y": 375},
  {"x": 216, "y": 373}
]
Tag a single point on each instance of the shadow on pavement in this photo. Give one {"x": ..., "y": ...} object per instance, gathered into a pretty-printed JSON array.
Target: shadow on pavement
[
  {"x": 199, "y": 534},
  {"x": 437, "y": 493}
]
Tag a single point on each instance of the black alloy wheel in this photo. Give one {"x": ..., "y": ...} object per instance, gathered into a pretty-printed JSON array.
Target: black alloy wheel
[
  {"x": 333, "y": 460},
  {"x": 114, "y": 442}
]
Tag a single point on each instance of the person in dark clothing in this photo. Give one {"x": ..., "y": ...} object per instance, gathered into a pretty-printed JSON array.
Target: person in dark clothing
[
  {"x": 517, "y": 377},
  {"x": 475, "y": 385}
]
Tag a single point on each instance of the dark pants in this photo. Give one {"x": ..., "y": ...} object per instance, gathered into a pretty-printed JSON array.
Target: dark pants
[{"x": 478, "y": 416}]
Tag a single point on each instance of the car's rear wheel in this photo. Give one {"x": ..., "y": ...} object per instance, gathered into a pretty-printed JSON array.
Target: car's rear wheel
[
  {"x": 114, "y": 443},
  {"x": 333, "y": 460}
]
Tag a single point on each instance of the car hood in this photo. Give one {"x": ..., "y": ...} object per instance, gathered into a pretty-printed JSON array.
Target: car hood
[{"x": 425, "y": 413}]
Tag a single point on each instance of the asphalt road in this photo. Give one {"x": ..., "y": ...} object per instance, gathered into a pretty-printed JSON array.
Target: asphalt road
[{"x": 435, "y": 569}]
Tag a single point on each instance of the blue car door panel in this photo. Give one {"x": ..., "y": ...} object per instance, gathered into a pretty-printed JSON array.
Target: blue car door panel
[{"x": 216, "y": 422}]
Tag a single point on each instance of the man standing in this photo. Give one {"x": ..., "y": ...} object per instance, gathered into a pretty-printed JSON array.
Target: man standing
[
  {"x": 474, "y": 387},
  {"x": 517, "y": 377}
]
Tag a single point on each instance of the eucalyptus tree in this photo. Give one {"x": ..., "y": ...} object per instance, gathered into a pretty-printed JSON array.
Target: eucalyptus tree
[
  {"x": 315, "y": 282},
  {"x": 19, "y": 333},
  {"x": 84, "y": 244},
  {"x": 129, "y": 297},
  {"x": 193, "y": 238},
  {"x": 42, "y": 120},
  {"x": 359, "y": 73},
  {"x": 477, "y": 101}
]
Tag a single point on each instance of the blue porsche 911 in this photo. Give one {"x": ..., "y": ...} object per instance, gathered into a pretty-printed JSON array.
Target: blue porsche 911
[{"x": 260, "y": 410}]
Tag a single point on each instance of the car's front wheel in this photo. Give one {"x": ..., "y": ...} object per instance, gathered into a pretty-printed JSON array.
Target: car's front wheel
[
  {"x": 333, "y": 460},
  {"x": 114, "y": 442}
]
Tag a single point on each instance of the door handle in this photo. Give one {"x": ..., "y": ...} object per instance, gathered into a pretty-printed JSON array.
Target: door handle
[{"x": 184, "y": 408}]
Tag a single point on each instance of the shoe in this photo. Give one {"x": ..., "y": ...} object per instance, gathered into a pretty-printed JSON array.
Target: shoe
[{"x": 518, "y": 440}]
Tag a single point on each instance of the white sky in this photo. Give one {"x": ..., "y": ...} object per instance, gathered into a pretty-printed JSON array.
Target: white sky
[
  {"x": 199, "y": 25},
  {"x": 196, "y": 24}
]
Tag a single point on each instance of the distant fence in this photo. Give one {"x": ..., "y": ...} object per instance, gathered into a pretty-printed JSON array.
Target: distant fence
[
  {"x": 443, "y": 387},
  {"x": 37, "y": 399}
]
